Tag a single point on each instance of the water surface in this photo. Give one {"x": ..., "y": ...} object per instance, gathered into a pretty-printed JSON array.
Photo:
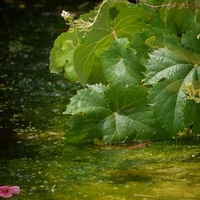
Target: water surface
[{"x": 49, "y": 170}]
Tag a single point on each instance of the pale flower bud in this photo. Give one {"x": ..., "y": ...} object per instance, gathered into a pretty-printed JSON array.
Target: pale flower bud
[{"x": 65, "y": 14}]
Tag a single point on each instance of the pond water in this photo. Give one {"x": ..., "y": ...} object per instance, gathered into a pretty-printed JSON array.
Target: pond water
[
  {"x": 32, "y": 151},
  {"x": 49, "y": 170}
]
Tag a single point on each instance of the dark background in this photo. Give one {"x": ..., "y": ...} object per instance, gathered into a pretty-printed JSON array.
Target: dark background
[{"x": 31, "y": 98}]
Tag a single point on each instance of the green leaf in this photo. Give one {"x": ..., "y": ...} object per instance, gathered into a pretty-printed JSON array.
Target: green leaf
[
  {"x": 169, "y": 70},
  {"x": 169, "y": 100},
  {"x": 192, "y": 43},
  {"x": 61, "y": 55},
  {"x": 197, "y": 13},
  {"x": 122, "y": 23},
  {"x": 164, "y": 64},
  {"x": 87, "y": 100},
  {"x": 196, "y": 124},
  {"x": 171, "y": 12},
  {"x": 179, "y": 13},
  {"x": 121, "y": 64},
  {"x": 114, "y": 114},
  {"x": 143, "y": 42}
]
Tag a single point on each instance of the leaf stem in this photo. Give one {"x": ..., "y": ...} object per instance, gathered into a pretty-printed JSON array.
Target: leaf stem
[{"x": 115, "y": 35}]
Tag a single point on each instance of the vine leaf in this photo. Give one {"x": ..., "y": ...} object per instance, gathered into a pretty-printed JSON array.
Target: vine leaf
[
  {"x": 169, "y": 70},
  {"x": 173, "y": 14},
  {"x": 121, "y": 63},
  {"x": 113, "y": 113},
  {"x": 122, "y": 23},
  {"x": 143, "y": 42},
  {"x": 179, "y": 14},
  {"x": 61, "y": 55}
]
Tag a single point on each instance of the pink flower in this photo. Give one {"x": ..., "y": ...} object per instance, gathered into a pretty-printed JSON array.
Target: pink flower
[{"x": 7, "y": 192}]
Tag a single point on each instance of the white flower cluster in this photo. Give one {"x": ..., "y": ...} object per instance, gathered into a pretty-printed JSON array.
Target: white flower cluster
[
  {"x": 65, "y": 14},
  {"x": 80, "y": 24}
]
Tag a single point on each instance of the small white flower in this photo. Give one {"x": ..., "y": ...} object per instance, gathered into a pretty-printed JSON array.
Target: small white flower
[{"x": 65, "y": 14}]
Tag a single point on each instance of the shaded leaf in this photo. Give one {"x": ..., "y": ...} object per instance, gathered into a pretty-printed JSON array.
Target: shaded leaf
[
  {"x": 169, "y": 100},
  {"x": 143, "y": 42},
  {"x": 178, "y": 66},
  {"x": 88, "y": 99},
  {"x": 179, "y": 13},
  {"x": 191, "y": 43},
  {"x": 121, "y": 64},
  {"x": 119, "y": 115}
]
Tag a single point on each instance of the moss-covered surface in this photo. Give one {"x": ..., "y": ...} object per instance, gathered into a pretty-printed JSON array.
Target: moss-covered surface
[{"x": 49, "y": 170}]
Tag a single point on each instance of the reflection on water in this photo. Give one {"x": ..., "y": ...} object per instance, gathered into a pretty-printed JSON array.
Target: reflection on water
[{"x": 50, "y": 170}]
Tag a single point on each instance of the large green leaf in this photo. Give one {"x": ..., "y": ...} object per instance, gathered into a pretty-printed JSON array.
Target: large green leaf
[
  {"x": 115, "y": 113},
  {"x": 61, "y": 55},
  {"x": 169, "y": 70},
  {"x": 88, "y": 99},
  {"x": 121, "y": 64},
  {"x": 115, "y": 20}
]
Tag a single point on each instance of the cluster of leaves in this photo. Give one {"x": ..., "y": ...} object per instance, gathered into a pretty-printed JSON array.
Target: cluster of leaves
[{"x": 140, "y": 64}]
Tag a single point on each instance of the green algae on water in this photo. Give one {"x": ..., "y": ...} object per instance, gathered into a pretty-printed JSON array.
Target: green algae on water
[{"x": 54, "y": 171}]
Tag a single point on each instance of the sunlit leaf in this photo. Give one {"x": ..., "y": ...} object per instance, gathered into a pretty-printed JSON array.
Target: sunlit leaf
[
  {"x": 61, "y": 55},
  {"x": 125, "y": 20}
]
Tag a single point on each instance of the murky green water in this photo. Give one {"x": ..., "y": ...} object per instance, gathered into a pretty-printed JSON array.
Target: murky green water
[
  {"x": 32, "y": 154},
  {"x": 48, "y": 170}
]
